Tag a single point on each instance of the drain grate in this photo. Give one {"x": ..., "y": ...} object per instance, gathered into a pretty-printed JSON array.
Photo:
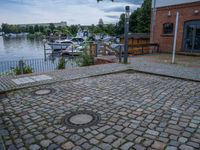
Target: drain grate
[
  {"x": 44, "y": 91},
  {"x": 81, "y": 119}
]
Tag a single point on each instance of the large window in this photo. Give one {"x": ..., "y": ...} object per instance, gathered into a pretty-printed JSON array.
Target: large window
[{"x": 168, "y": 28}]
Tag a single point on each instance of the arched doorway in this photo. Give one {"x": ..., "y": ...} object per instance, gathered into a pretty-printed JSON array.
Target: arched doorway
[{"x": 192, "y": 36}]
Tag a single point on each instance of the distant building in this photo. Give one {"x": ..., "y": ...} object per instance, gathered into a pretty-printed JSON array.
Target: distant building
[
  {"x": 164, "y": 21},
  {"x": 62, "y": 24}
]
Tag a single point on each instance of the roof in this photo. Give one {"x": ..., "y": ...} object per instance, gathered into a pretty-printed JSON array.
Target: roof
[
  {"x": 164, "y": 3},
  {"x": 138, "y": 35}
]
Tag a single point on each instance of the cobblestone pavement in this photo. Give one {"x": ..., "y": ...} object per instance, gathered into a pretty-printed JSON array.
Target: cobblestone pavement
[
  {"x": 138, "y": 111},
  {"x": 6, "y": 83},
  {"x": 139, "y": 63}
]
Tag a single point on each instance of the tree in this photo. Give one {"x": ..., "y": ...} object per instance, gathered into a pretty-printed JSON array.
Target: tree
[
  {"x": 101, "y": 22},
  {"x": 41, "y": 28},
  {"x": 5, "y": 28},
  {"x": 73, "y": 29},
  {"x": 36, "y": 28},
  {"x": 120, "y": 25},
  {"x": 31, "y": 29},
  {"x": 51, "y": 27},
  {"x": 140, "y": 19}
]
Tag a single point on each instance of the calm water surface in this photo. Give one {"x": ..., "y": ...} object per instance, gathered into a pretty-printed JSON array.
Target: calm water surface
[{"x": 17, "y": 48}]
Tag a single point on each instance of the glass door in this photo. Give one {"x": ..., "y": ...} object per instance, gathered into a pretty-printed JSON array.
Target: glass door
[
  {"x": 197, "y": 39},
  {"x": 192, "y": 36}
]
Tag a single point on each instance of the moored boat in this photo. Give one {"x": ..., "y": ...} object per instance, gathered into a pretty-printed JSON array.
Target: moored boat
[{"x": 60, "y": 44}]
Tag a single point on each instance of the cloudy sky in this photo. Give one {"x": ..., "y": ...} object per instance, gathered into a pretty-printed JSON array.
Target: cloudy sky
[{"x": 73, "y": 11}]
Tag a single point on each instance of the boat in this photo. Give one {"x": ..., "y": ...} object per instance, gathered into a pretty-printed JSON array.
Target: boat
[
  {"x": 77, "y": 40},
  {"x": 60, "y": 44},
  {"x": 73, "y": 51}
]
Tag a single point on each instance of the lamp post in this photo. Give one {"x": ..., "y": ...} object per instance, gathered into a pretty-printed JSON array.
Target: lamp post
[{"x": 126, "y": 30}]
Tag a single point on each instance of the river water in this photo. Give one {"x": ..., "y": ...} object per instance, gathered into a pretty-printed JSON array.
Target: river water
[
  {"x": 18, "y": 48},
  {"x": 31, "y": 51}
]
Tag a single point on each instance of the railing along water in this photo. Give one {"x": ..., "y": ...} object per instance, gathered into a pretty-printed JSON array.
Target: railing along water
[{"x": 37, "y": 65}]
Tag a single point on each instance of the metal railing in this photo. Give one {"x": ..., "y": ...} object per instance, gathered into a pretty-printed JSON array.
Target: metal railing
[{"x": 37, "y": 65}]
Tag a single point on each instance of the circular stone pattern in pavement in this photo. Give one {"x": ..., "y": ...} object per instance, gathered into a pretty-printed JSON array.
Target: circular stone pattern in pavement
[
  {"x": 81, "y": 119},
  {"x": 43, "y": 91}
]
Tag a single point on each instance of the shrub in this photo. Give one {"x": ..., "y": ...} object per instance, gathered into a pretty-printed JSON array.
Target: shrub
[
  {"x": 61, "y": 63},
  {"x": 26, "y": 70},
  {"x": 86, "y": 59}
]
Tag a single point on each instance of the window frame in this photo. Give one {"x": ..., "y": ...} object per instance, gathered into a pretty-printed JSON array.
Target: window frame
[{"x": 168, "y": 31}]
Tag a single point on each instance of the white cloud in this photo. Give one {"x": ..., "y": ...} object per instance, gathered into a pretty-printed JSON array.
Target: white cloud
[{"x": 72, "y": 11}]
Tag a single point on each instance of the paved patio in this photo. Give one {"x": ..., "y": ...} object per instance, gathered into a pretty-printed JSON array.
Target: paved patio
[
  {"x": 187, "y": 67},
  {"x": 137, "y": 111}
]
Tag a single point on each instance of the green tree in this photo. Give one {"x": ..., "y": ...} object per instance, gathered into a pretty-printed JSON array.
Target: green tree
[
  {"x": 120, "y": 25},
  {"x": 51, "y": 27},
  {"x": 41, "y": 28},
  {"x": 73, "y": 29},
  {"x": 36, "y": 28},
  {"x": 5, "y": 28},
  {"x": 31, "y": 29}
]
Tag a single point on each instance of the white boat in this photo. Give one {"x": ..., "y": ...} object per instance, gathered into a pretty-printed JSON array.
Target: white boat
[
  {"x": 71, "y": 50},
  {"x": 60, "y": 44},
  {"x": 77, "y": 40}
]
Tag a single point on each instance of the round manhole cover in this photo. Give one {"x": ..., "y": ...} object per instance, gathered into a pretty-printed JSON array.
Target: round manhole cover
[
  {"x": 81, "y": 119},
  {"x": 42, "y": 91}
]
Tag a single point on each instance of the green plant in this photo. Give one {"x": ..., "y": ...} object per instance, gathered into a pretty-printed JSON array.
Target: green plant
[
  {"x": 86, "y": 59},
  {"x": 26, "y": 70},
  {"x": 61, "y": 63},
  {"x": 10, "y": 72}
]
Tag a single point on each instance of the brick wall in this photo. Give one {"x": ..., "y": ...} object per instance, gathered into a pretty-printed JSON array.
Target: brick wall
[{"x": 186, "y": 14}]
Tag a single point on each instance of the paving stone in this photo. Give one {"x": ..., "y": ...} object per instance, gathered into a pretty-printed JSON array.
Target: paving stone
[
  {"x": 52, "y": 146},
  {"x": 68, "y": 145},
  {"x": 127, "y": 145},
  {"x": 105, "y": 146},
  {"x": 77, "y": 148},
  {"x": 109, "y": 139},
  {"x": 147, "y": 143},
  {"x": 86, "y": 145},
  {"x": 45, "y": 143},
  {"x": 158, "y": 145},
  {"x": 59, "y": 139},
  {"x": 185, "y": 147},
  {"x": 172, "y": 131},
  {"x": 95, "y": 148},
  {"x": 182, "y": 139},
  {"x": 139, "y": 147},
  {"x": 152, "y": 132},
  {"x": 131, "y": 137},
  {"x": 118, "y": 142},
  {"x": 34, "y": 147},
  {"x": 171, "y": 148},
  {"x": 94, "y": 141}
]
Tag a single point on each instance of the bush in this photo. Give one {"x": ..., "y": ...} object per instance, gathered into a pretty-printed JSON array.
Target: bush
[
  {"x": 85, "y": 58},
  {"x": 26, "y": 70},
  {"x": 61, "y": 63}
]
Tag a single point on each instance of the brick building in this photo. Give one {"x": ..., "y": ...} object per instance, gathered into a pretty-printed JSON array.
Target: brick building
[{"x": 164, "y": 21}]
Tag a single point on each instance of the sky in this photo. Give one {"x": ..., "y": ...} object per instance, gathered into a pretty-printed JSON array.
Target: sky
[{"x": 84, "y": 12}]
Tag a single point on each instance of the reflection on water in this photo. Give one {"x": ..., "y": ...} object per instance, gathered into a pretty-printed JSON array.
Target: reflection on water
[
  {"x": 17, "y": 48},
  {"x": 32, "y": 52}
]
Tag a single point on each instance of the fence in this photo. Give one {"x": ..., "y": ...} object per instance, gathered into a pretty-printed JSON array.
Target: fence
[{"x": 37, "y": 65}]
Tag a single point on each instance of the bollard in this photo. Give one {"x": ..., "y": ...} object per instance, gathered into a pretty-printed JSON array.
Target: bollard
[
  {"x": 21, "y": 66},
  {"x": 120, "y": 53},
  {"x": 96, "y": 48}
]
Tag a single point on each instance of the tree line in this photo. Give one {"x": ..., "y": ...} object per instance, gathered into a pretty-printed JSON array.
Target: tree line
[{"x": 139, "y": 23}]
